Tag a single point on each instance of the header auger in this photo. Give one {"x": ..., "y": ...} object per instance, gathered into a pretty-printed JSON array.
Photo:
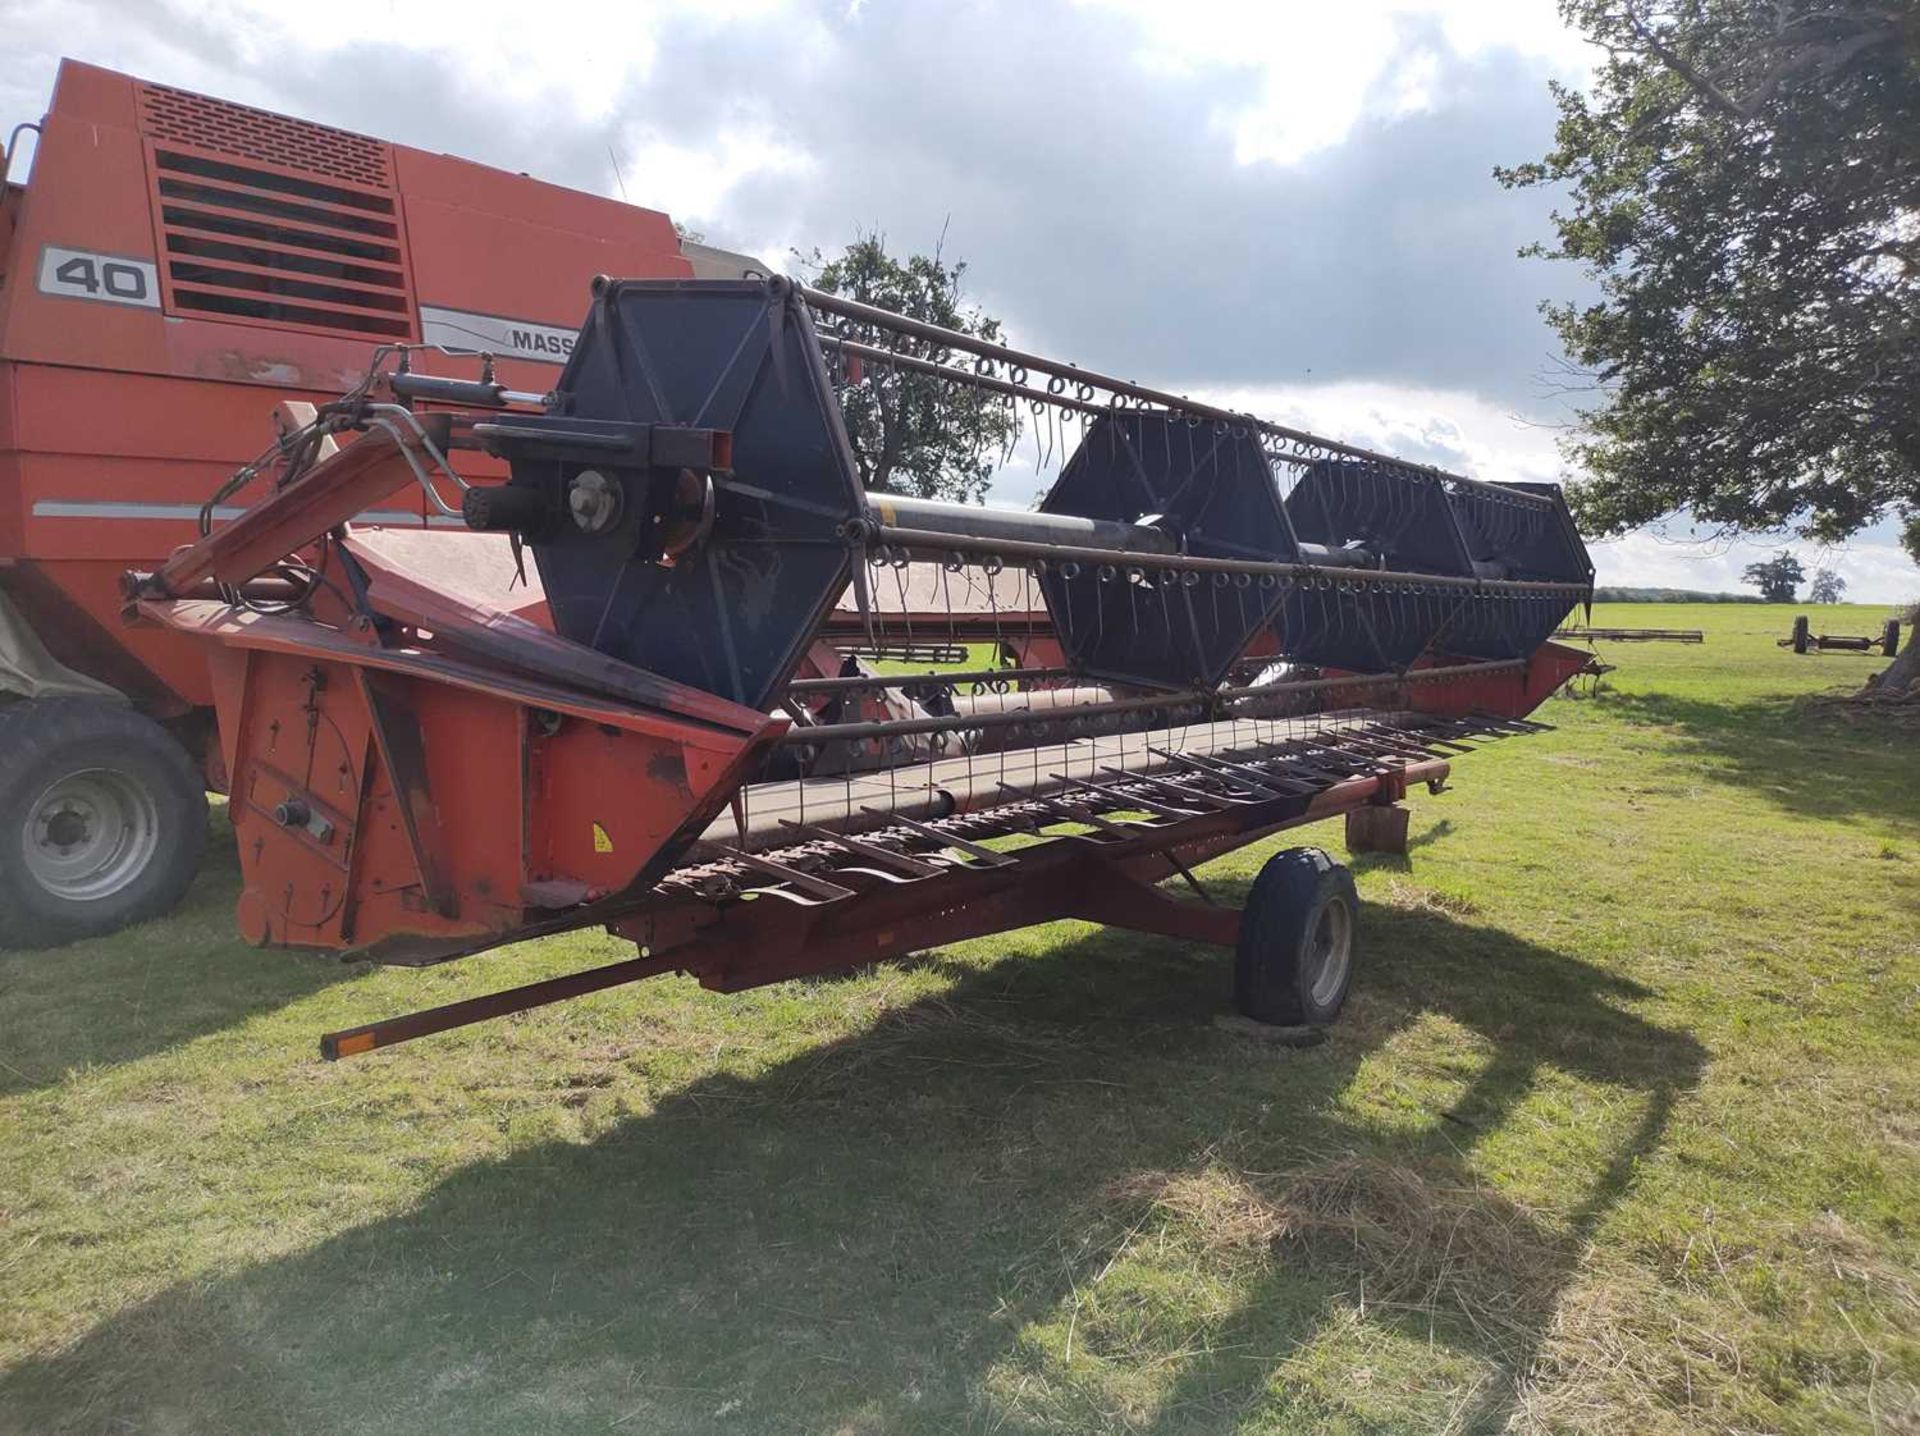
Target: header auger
[{"x": 1218, "y": 628}]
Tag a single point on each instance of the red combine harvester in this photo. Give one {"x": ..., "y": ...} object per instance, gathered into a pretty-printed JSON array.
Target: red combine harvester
[
  {"x": 621, "y": 688},
  {"x": 177, "y": 266}
]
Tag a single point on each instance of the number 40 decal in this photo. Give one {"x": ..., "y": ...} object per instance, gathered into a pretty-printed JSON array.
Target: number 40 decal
[{"x": 79, "y": 275}]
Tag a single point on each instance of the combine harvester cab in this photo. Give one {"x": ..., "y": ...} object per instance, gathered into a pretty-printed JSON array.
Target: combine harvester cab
[{"x": 1258, "y": 629}]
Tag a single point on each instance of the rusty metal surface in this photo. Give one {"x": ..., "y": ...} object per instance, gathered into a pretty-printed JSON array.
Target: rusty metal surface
[
  {"x": 823, "y": 903},
  {"x": 1296, "y": 770}
]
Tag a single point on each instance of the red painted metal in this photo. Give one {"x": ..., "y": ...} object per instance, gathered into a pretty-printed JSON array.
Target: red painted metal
[
  {"x": 361, "y": 474},
  {"x": 117, "y": 420},
  {"x": 753, "y": 944},
  {"x": 1549, "y": 668},
  {"x": 413, "y": 805}
]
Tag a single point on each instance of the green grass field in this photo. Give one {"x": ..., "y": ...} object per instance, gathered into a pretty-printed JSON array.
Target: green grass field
[{"x": 1620, "y": 1133}]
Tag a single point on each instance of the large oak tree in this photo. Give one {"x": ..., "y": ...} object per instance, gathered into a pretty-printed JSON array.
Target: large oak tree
[{"x": 1745, "y": 189}]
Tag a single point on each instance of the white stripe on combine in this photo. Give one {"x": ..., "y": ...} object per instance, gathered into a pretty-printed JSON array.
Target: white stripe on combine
[{"x": 116, "y": 509}]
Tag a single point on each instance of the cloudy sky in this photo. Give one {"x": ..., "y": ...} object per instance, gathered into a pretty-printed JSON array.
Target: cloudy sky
[{"x": 1287, "y": 205}]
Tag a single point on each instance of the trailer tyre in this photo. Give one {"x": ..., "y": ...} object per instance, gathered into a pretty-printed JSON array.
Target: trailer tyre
[
  {"x": 1297, "y": 945},
  {"x": 103, "y": 819}
]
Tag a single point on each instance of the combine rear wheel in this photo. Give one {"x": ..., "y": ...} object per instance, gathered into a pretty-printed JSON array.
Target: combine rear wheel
[
  {"x": 102, "y": 820},
  {"x": 1297, "y": 941}
]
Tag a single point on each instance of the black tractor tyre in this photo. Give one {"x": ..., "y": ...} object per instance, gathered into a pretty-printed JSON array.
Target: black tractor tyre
[
  {"x": 103, "y": 819},
  {"x": 1298, "y": 941}
]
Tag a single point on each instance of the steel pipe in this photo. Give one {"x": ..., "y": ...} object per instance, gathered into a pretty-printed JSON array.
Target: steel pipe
[
  {"x": 1067, "y": 530},
  {"x": 936, "y": 545},
  {"x": 904, "y": 727},
  {"x": 924, "y": 680},
  {"x": 1029, "y": 526},
  {"x": 1051, "y": 701}
]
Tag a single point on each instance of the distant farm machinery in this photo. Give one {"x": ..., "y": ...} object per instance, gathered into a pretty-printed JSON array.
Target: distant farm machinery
[
  {"x": 1585, "y": 633},
  {"x": 1212, "y": 629},
  {"x": 1804, "y": 640}
]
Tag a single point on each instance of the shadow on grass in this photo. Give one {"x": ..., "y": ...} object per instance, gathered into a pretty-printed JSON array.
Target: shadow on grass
[
  {"x": 1810, "y": 762},
  {"x": 1409, "y": 1227},
  {"x": 868, "y": 1236},
  {"x": 148, "y": 987}
]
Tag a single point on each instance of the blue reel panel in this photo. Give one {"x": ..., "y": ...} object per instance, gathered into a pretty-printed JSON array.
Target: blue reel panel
[
  {"x": 733, "y": 613},
  {"x": 1417, "y": 522},
  {"x": 1400, "y": 515},
  {"x": 1208, "y": 486},
  {"x": 1510, "y": 538}
]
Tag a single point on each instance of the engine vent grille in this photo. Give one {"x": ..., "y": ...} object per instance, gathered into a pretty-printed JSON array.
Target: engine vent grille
[
  {"x": 241, "y": 242},
  {"x": 189, "y": 119}
]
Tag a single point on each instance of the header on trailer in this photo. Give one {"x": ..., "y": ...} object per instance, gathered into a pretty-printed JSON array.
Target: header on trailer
[{"x": 1256, "y": 628}]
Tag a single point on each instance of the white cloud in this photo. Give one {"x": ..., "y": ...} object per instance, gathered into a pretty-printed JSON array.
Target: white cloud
[
  {"x": 1453, "y": 429},
  {"x": 692, "y": 182},
  {"x": 533, "y": 61},
  {"x": 1320, "y": 68}
]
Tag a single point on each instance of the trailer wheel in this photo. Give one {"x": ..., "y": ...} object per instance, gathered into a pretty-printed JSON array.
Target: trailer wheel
[
  {"x": 103, "y": 819},
  {"x": 1297, "y": 943}
]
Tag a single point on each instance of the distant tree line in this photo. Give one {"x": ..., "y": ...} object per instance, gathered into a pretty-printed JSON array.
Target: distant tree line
[{"x": 1670, "y": 595}]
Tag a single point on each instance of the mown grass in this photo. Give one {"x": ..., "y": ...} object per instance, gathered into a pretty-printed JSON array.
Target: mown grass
[{"x": 1621, "y": 1132}]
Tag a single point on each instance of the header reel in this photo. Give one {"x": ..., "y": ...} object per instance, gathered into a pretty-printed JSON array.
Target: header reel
[{"x": 1174, "y": 535}]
